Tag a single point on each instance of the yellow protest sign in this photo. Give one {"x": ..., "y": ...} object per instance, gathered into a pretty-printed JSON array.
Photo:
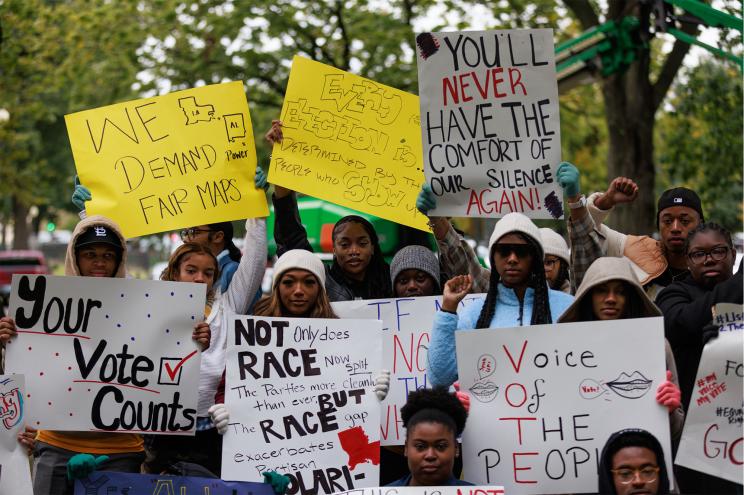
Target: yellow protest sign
[
  {"x": 178, "y": 160},
  {"x": 351, "y": 141}
]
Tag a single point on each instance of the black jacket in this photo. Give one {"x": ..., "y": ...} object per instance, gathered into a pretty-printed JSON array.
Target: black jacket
[{"x": 687, "y": 309}]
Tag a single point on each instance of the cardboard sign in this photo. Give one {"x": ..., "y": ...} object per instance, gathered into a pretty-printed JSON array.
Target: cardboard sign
[
  {"x": 489, "y": 122},
  {"x": 178, "y": 160},
  {"x": 350, "y": 141},
  {"x": 15, "y": 470},
  {"x": 113, "y": 483},
  {"x": 406, "y": 329},
  {"x": 713, "y": 437},
  {"x": 428, "y": 490},
  {"x": 545, "y": 399},
  {"x": 107, "y": 354},
  {"x": 301, "y": 401}
]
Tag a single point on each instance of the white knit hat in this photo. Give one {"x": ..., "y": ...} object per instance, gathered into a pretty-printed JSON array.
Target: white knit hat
[
  {"x": 301, "y": 259},
  {"x": 554, "y": 244},
  {"x": 515, "y": 222}
]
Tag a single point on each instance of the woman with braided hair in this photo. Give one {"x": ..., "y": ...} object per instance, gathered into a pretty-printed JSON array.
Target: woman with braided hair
[
  {"x": 433, "y": 419},
  {"x": 518, "y": 295}
]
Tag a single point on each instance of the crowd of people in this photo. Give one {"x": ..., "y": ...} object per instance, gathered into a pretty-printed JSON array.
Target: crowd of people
[{"x": 535, "y": 277}]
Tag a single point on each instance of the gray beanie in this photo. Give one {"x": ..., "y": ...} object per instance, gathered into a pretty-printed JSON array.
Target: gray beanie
[{"x": 415, "y": 257}]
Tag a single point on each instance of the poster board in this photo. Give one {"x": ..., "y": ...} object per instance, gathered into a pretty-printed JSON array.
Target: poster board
[
  {"x": 728, "y": 316},
  {"x": 406, "y": 330},
  {"x": 172, "y": 161},
  {"x": 428, "y": 490},
  {"x": 301, "y": 402},
  {"x": 490, "y": 124},
  {"x": 545, "y": 399},
  {"x": 350, "y": 141},
  {"x": 113, "y": 483},
  {"x": 15, "y": 469},
  {"x": 713, "y": 437},
  {"x": 107, "y": 354}
]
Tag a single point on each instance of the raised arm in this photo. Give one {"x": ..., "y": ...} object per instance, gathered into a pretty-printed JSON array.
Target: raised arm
[{"x": 247, "y": 279}]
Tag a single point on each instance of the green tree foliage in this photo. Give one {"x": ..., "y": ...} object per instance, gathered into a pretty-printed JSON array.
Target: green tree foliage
[
  {"x": 701, "y": 140},
  {"x": 57, "y": 58}
]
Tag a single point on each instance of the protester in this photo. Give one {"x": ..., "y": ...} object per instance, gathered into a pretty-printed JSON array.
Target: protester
[
  {"x": 359, "y": 270},
  {"x": 556, "y": 260},
  {"x": 433, "y": 419},
  {"x": 414, "y": 272},
  {"x": 518, "y": 295},
  {"x": 218, "y": 237},
  {"x": 97, "y": 249},
  {"x": 193, "y": 262},
  {"x": 632, "y": 462},
  {"x": 611, "y": 291},
  {"x": 655, "y": 263}
]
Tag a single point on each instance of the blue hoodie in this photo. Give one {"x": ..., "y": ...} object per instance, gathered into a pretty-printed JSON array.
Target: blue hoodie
[{"x": 510, "y": 312}]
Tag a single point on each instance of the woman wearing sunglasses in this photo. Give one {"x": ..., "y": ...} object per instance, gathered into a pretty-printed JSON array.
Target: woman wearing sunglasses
[{"x": 518, "y": 295}]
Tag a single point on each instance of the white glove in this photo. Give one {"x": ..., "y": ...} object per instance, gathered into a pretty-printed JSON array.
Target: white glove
[
  {"x": 382, "y": 384},
  {"x": 220, "y": 416}
]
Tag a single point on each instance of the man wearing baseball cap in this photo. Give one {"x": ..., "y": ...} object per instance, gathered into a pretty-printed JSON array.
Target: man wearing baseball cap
[{"x": 655, "y": 263}]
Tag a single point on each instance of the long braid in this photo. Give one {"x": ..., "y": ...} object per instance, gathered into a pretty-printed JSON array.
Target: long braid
[
  {"x": 489, "y": 305},
  {"x": 541, "y": 300}
]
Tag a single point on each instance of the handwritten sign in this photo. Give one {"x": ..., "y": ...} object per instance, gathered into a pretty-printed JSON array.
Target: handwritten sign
[
  {"x": 428, "y": 490},
  {"x": 113, "y": 483},
  {"x": 489, "y": 122},
  {"x": 350, "y": 141},
  {"x": 107, "y": 354},
  {"x": 406, "y": 328},
  {"x": 182, "y": 159},
  {"x": 728, "y": 316},
  {"x": 15, "y": 471},
  {"x": 545, "y": 399},
  {"x": 301, "y": 401},
  {"x": 713, "y": 437}
]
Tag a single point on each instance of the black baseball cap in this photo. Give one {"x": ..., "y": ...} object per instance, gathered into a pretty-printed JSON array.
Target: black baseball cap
[
  {"x": 99, "y": 234},
  {"x": 679, "y": 196}
]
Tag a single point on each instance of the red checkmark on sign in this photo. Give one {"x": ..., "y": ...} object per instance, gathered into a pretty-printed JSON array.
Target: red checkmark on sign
[{"x": 172, "y": 372}]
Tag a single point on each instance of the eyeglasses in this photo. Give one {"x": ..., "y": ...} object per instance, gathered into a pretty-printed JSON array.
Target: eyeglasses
[
  {"x": 521, "y": 250},
  {"x": 716, "y": 254},
  {"x": 627, "y": 475},
  {"x": 549, "y": 262},
  {"x": 191, "y": 232}
]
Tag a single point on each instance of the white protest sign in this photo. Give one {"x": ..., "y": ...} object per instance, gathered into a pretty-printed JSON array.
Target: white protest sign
[
  {"x": 428, "y": 490},
  {"x": 406, "y": 328},
  {"x": 545, "y": 399},
  {"x": 301, "y": 401},
  {"x": 713, "y": 437},
  {"x": 489, "y": 122},
  {"x": 15, "y": 470},
  {"x": 728, "y": 316},
  {"x": 107, "y": 354}
]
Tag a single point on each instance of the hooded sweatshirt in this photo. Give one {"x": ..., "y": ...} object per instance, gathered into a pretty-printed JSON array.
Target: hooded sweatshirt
[
  {"x": 630, "y": 438},
  {"x": 610, "y": 268},
  {"x": 93, "y": 442}
]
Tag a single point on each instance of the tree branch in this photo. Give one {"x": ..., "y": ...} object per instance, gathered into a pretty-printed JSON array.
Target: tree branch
[
  {"x": 346, "y": 52},
  {"x": 584, "y": 12},
  {"x": 671, "y": 67}
]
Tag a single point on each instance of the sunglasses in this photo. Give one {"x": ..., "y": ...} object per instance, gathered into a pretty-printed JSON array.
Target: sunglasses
[{"x": 521, "y": 250}]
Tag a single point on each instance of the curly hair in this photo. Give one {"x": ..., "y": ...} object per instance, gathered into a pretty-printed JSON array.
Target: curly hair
[
  {"x": 181, "y": 254},
  {"x": 541, "y": 304},
  {"x": 708, "y": 227},
  {"x": 271, "y": 304},
  {"x": 434, "y": 405}
]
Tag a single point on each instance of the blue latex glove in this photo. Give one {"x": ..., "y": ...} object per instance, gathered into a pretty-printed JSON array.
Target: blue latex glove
[
  {"x": 260, "y": 179},
  {"x": 568, "y": 179},
  {"x": 425, "y": 200},
  {"x": 82, "y": 465},
  {"x": 278, "y": 482},
  {"x": 80, "y": 195}
]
